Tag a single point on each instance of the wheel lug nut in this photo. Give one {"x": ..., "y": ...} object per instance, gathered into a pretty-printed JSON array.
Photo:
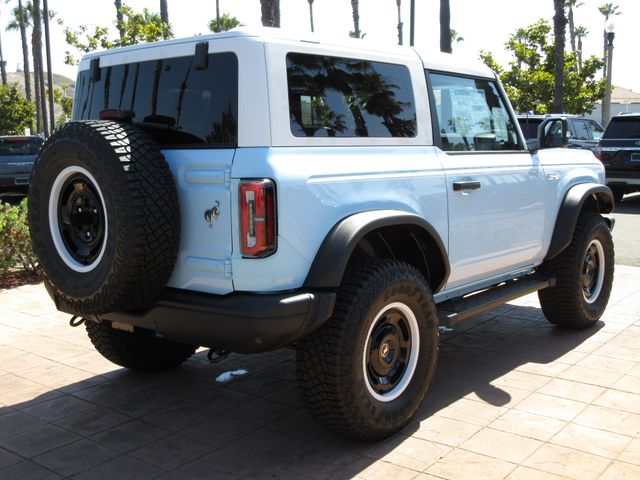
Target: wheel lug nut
[{"x": 88, "y": 234}]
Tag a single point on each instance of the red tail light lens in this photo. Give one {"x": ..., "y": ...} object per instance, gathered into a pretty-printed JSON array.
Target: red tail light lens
[
  {"x": 257, "y": 218},
  {"x": 598, "y": 151}
]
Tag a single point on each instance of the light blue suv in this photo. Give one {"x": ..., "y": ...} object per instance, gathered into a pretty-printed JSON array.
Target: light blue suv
[{"x": 249, "y": 190}]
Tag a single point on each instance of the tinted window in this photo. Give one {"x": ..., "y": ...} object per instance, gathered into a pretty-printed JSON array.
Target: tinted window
[
  {"x": 623, "y": 127},
  {"x": 581, "y": 130},
  {"x": 175, "y": 102},
  {"x": 471, "y": 115},
  {"x": 529, "y": 127},
  {"x": 20, "y": 146},
  {"x": 342, "y": 97}
]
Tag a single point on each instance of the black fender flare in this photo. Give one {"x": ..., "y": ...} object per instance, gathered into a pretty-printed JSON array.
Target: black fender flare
[
  {"x": 570, "y": 209},
  {"x": 332, "y": 257}
]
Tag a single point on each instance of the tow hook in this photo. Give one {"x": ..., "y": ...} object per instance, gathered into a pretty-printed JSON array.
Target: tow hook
[
  {"x": 76, "y": 321},
  {"x": 216, "y": 356}
]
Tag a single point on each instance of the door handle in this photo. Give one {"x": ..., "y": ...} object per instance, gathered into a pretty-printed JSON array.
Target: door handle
[{"x": 466, "y": 185}]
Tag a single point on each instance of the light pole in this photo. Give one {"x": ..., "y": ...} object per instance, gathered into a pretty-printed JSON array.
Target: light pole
[{"x": 606, "y": 102}]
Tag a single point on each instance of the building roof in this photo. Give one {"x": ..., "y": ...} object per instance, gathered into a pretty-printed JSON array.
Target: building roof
[{"x": 621, "y": 94}]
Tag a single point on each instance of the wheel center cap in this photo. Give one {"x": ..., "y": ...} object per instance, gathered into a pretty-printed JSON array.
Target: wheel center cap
[{"x": 384, "y": 349}]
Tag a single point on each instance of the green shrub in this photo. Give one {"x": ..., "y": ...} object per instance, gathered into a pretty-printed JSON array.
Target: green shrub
[{"x": 15, "y": 241}]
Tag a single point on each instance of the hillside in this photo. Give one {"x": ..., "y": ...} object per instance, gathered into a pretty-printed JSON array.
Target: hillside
[{"x": 60, "y": 81}]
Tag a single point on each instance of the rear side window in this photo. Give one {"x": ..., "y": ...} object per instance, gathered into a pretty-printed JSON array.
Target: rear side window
[
  {"x": 471, "y": 114},
  {"x": 177, "y": 104},
  {"x": 623, "y": 127},
  {"x": 343, "y": 97},
  {"x": 20, "y": 146},
  {"x": 581, "y": 129}
]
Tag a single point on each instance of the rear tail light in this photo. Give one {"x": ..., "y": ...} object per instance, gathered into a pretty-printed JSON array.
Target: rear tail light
[
  {"x": 257, "y": 218},
  {"x": 598, "y": 151}
]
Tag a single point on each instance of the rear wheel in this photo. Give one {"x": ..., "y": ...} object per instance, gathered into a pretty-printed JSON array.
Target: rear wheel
[
  {"x": 584, "y": 276},
  {"x": 365, "y": 371},
  {"x": 140, "y": 350}
]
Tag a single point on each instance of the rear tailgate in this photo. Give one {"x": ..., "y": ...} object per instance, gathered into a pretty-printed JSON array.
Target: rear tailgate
[{"x": 621, "y": 158}]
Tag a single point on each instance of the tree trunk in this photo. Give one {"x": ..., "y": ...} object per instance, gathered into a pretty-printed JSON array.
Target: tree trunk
[
  {"x": 268, "y": 8},
  {"x": 119, "y": 18},
  {"x": 311, "y": 13},
  {"x": 572, "y": 29},
  {"x": 445, "y": 26},
  {"x": 217, "y": 15},
  {"x": 25, "y": 51},
  {"x": 399, "y": 2},
  {"x": 559, "y": 30},
  {"x": 3, "y": 66},
  {"x": 355, "y": 7},
  {"x": 579, "y": 54},
  {"x": 277, "y": 14},
  {"x": 37, "y": 54},
  {"x": 164, "y": 16},
  {"x": 47, "y": 44}
]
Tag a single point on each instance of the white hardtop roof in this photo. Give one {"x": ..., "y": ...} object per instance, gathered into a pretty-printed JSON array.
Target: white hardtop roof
[{"x": 431, "y": 59}]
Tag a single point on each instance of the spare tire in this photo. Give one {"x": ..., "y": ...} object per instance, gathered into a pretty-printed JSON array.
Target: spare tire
[{"x": 104, "y": 217}]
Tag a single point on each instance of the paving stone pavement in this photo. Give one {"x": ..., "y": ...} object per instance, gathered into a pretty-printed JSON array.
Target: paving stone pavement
[{"x": 514, "y": 398}]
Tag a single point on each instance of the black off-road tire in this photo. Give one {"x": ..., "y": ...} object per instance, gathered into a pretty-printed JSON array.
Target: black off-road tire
[
  {"x": 140, "y": 350},
  {"x": 575, "y": 302},
  {"x": 618, "y": 194},
  {"x": 335, "y": 363},
  {"x": 107, "y": 181}
]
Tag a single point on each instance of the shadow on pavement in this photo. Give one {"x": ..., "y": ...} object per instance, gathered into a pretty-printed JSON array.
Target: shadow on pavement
[
  {"x": 630, "y": 204},
  {"x": 185, "y": 424}
]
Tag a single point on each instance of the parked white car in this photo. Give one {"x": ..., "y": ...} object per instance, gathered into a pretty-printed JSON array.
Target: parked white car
[{"x": 249, "y": 190}]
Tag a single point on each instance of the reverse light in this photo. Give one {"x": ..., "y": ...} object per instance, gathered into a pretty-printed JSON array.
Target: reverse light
[{"x": 257, "y": 218}]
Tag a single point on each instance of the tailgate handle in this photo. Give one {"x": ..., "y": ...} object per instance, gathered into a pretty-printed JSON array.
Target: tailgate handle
[{"x": 466, "y": 185}]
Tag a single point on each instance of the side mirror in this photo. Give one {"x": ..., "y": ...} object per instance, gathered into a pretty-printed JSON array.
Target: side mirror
[
  {"x": 533, "y": 145},
  {"x": 553, "y": 133}
]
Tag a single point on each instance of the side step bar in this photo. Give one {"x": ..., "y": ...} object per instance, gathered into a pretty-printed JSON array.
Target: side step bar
[{"x": 456, "y": 310}]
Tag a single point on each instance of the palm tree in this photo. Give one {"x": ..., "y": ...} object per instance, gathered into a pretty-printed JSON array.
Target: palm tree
[
  {"x": 607, "y": 10},
  {"x": 571, "y": 4},
  {"x": 36, "y": 45},
  {"x": 398, "y": 3},
  {"x": 164, "y": 16},
  {"x": 223, "y": 23},
  {"x": 580, "y": 33},
  {"x": 19, "y": 22},
  {"x": 456, "y": 37},
  {"x": 3, "y": 66},
  {"x": 217, "y": 17},
  {"x": 119, "y": 18},
  {"x": 445, "y": 26},
  {"x": 311, "y": 13},
  {"x": 355, "y": 9},
  {"x": 559, "y": 31},
  {"x": 268, "y": 8},
  {"x": 47, "y": 44}
]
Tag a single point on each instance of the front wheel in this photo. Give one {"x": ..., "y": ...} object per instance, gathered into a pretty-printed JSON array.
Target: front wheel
[
  {"x": 584, "y": 276},
  {"x": 365, "y": 372}
]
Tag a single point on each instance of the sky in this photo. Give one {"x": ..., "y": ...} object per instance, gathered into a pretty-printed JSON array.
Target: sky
[{"x": 484, "y": 24}]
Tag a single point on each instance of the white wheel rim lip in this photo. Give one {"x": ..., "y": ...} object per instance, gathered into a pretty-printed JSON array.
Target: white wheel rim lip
[
  {"x": 54, "y": 225},
  {"x": 413, "y": 356},
  {"x": 601, "y": 267}
]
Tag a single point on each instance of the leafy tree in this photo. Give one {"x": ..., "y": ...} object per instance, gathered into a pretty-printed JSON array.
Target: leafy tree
[
  {"x": 16, "y": 112},
  {"x": 559, "y": 30},
  {"x": 445, "y": 26},
  {"x": 227, "y": 22},
  {"x": 135, "y": 28},
  {"x": 529, "y": 78},
  {"x": 61, "y": 97}
]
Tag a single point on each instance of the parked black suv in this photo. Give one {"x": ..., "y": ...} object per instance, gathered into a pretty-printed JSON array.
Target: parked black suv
[
  {"x": 581, "y": 132},
  {"x": 619, "y": 151}
]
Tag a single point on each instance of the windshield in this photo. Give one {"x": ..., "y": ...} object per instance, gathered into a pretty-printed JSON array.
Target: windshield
[{"x": 19, "y": 146}]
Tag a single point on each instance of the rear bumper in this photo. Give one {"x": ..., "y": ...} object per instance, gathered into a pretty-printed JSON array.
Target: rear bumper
[{"x": 238, "y": 322}]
